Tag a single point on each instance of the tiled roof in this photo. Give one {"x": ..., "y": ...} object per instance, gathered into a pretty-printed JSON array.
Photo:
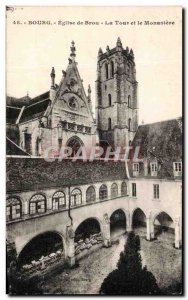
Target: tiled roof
[
  {"x": 12, "y": 114},
  {"x": 14, "y": 149},
  {"x": 35, "y": 110},
  {"x": 36, "y": 173},
  {"x": 17, "y": 102},
  {"x": 161, "y": 141}
]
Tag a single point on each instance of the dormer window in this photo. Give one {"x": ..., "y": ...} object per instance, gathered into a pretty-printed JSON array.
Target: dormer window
[
  {"x": 177, "y": 168},
  {"x": 135, "y": 169},
  {"x": 154, "y": 169}
]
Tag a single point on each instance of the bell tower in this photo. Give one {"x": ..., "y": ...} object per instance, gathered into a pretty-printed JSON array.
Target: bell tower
[{"x": 116, "y": 96}]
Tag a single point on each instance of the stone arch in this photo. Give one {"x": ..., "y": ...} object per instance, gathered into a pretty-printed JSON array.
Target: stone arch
[
  {"x": 76, "y": 196},
  {"x": 90, "y": 194},
  {"x": 103, "y": 192},
  {"x": 139, "y": 220},
  {"x": 74, "y": 143},
  {"x": 41, "y": 244},
  {"x": 114, "y": 190},
  {"x": 42, "y": 199},
  {"x": 163, "y": 223},
  {"x": 87, "y": 227},
  {"x": 118, "y": 222},
  {"x": 58, "y": 200},
  {"x": 14, "y": 207}
]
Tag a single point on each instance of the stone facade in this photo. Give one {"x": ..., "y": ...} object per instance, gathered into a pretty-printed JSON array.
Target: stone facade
[{"x": 116, "y": 93}]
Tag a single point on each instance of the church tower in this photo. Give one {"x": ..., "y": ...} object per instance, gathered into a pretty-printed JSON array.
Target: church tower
[{"x": 116, "y": 96}]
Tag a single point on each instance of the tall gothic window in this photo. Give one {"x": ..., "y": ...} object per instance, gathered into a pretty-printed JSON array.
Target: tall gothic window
[
  {"x": 90, "y": 194},
  {"x": 109, "y": 99},
  {"x": 129, "y": 124},
  {"x": 13, "y": 208},
  {"x": 58, "y": 200},
  {"x": 106, "y": 70},
  {"x": 76, "y": 197},
  {"x": 114, "y": 190},
  {"x": 112, "y": 68},
  {"x": 103, "y": 192},
  {"x": 37, "y": 204},
  {"x": 123, "y": 188},
  {"x": 129, "y": 101},
  {"x": 109, "y": 124}
]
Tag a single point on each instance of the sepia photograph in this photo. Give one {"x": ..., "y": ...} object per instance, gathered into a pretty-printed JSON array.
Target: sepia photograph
[{"x": 94, "y": 150}]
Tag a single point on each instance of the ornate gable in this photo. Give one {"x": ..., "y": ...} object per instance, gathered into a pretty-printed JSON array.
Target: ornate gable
[{"x": 71, "y": 99}]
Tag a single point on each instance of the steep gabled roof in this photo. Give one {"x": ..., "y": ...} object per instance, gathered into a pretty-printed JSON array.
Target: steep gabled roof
[
  {"x": 14, "y": 149},
  {"x": 17, "y": 102},
  {"x": 161, "y": 141},
  {"x": 35, "y": 110},
  {"x": 12, "y": 114},
  {"x": 36, "y": 173}
]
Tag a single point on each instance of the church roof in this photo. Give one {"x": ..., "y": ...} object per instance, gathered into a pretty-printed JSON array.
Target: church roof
[
  {"x": 161, "y": 141},
  {"x": 12, "y": 114},
  {"x": 13, "y": 149},
  {"x": 17, "y": 102},
  {"x": 36, "y": 173},
  {"x": 35, "y": 110}
]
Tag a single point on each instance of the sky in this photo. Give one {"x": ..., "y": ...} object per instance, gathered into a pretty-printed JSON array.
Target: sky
[{"x": 32, "y": 50}]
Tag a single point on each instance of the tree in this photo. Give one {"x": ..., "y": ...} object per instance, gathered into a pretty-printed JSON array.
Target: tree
[{"x": 130, "y": 278}]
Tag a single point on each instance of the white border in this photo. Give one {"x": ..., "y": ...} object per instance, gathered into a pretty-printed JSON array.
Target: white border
[{"x": 4, "y": 3}]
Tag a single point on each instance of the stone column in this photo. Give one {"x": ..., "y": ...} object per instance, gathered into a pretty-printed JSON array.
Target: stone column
[
  {"x": 148, "y": 235},
  {"x": 129, "y": 223},
  {"x": 70, "y": 253},
  {"x": 106, "y": 231},
  {"x": 177, "y": 233},
  {"x": 152, "y": 229}
]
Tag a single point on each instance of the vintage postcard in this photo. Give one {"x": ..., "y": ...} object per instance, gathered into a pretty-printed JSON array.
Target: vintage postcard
[{"x": 94, "y": 150}]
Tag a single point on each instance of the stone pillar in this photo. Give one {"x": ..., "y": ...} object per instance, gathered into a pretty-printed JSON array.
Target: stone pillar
[
  {"x": 177, "y": 233},
  {"x": 148, "y": 222},
  {"x": 152, "y": 229},
  {"x": 70, "y": 253},
  {"x": 129, "y": 223},
  {"x": 106, "y": 231}
]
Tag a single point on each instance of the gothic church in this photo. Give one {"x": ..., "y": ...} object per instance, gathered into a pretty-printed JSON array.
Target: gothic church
[{"x": 63, "y": 115}]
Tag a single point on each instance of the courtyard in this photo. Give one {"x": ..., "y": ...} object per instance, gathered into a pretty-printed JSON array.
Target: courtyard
[{"x": 161, "y": 258}]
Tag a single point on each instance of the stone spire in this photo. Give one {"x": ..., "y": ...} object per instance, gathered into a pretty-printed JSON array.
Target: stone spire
[
  {"x": 100, "y": 53},
  {"x": 132, "y": 54},
  {"x": 119, "y": 43},
  {"x": 73, "y": 50},
  {"x": 52, "y": 78},
  {"x": 107, "y": 50}
]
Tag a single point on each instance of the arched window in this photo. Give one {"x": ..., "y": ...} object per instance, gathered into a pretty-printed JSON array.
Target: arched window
[
  {"x": 129, "y": 101},
  {"x": 112, "y": 68},
  {"x": 13, "y": 208},
  {"x": 123, "y": 188},
  {"x": 114, "y": 190},
  {"x": 106, "y": 70},
  {"x": 90, "y": 194},
  {"x": 129, "y": 124},
  {"x": 58, "y": 200},
  {"x": 76, "y": 197},
  {"x": 75, "y": 144},
  {"x": 37, "y": 204},
  {"x": 109, "y": 124},
  {"x": 109, "y": 99},
  {"x": 103, "y": 192}
]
